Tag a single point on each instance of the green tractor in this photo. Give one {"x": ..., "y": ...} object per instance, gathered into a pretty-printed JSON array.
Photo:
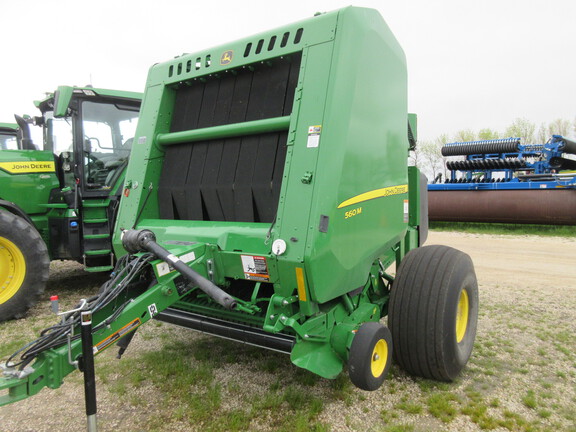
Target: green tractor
[
  {"x": 267, "y": 201},
  {"x": 59, "y": 200}
]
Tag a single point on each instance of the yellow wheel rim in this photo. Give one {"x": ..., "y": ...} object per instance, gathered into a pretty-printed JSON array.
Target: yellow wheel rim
[
  {"x": 379, "y": 358},
  {"x": 12, "y": 269},
  {"x": 462, "y": 316}
]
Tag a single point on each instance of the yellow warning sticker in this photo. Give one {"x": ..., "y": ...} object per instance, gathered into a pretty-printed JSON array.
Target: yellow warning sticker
[
  {"x": 28, "y": 167},
  {"x": 301, "y": 283},
  {"x": 117, "y": 335}
]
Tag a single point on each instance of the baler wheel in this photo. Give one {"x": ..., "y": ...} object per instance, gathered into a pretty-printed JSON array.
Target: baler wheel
[
  {"x": 24, "y": 266},
  {"x": 433, "y": 312},
  {"x": 370, "y": 356}
]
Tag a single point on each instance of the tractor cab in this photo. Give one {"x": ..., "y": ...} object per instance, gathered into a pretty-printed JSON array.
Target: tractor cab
[{"x": 90, "y": 132}]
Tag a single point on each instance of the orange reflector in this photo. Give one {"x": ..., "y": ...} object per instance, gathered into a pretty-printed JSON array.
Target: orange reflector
[{"x": 301, "y": 284}]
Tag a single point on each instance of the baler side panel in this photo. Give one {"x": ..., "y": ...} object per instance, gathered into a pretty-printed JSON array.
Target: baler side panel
[
  {"x": 294, "y": 222},
  {"x": 145, "y": 164},
  {"x": 363, "y": 148}
]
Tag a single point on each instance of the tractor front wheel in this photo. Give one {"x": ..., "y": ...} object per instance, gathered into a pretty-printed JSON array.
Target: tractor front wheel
[
  {"x": 24, "y": 266},
  {"x": 433, "y": 312},
  {"x": 370, "y": 356}
]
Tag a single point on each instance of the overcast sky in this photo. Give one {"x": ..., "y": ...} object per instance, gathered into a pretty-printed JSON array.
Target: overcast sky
[{"x": 471, "y": 64}]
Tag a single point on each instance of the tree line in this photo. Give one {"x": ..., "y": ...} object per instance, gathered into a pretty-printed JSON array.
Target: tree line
[{"x": 429, "y": 159}]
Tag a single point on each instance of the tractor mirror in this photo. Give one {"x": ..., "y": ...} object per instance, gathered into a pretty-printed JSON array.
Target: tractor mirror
[{"x": 62, "y": 98}]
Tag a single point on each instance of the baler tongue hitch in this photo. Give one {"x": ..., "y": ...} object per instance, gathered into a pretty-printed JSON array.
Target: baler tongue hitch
[{"x": 135, "y": 241}]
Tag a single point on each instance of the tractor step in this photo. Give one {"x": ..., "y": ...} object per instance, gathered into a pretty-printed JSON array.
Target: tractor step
[
  {"x": 95, "y": 221},
  {"x": 95, "y": 204},
  {"x": 97, "y": 252},
  {"x": 96, "y": 236},
  {"x": 98, "y": 269}
]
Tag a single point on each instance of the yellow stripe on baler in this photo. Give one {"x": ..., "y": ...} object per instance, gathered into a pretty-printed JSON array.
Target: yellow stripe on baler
[
  {"x": 377, "y": 193},
  {"x": 301, "y": 283}
]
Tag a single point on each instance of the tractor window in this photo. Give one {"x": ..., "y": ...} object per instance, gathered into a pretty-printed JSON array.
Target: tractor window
[
  {"x": 58, "y": 138},
  {"x": 108, "y": 130},
  {"x": 8, "y": 142},
  {"x": 59, "y": 135}
]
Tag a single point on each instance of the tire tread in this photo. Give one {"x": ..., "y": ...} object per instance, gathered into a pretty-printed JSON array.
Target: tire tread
[
  {"x": 35, "y": 253},
  {"x": 418, "y": 299}
]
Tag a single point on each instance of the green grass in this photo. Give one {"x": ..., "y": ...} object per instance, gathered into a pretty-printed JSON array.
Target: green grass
[
  {"x": 529, "y": 400},
  {"x": 185, "y": 372},
  {"x": 443, "y": 406},
  {"x": 503, "y": 229},
  {"x": 10, "y": 347},
  {"x": 409, "y": 408}
]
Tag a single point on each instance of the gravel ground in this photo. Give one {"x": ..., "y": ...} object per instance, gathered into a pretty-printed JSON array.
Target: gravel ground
[{"x": 522, "y": 374}]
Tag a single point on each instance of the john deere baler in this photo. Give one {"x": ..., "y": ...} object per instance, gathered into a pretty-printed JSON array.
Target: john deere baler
[
  {"x": 266, "y": 197},
  {"x": 279, "y": 164}
]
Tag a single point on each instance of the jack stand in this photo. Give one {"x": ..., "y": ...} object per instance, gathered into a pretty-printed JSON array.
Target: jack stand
[{"x": 88, "y": 370}]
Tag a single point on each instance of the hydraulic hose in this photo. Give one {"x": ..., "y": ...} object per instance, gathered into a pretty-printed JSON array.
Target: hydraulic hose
[{"x": 144, "y": 240}]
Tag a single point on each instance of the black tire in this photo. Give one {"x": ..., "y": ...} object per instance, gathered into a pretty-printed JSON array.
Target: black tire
[
  {"x": 24, "y": 266},
  {"x": 433, "y": 312},
  {"x": 366, "y": 368}
]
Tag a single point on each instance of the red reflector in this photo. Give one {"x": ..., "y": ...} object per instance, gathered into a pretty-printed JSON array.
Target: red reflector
[{"x": 54, "y": 298}]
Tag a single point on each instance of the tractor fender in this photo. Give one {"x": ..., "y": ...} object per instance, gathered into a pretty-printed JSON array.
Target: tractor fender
[{"x": 14, "y": 209}]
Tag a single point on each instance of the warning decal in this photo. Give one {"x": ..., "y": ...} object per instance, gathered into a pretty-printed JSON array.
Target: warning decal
[
  {"x": 314, "y": 136},
  {"x": 116, "y": 336},
  {"x": 255, "y": 268},
  {"x": 406, "y": 211},
  {"x": 164, "y": 268}
]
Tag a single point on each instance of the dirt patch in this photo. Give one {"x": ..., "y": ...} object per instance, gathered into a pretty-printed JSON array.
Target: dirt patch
[{"x": 522, "y": 375}]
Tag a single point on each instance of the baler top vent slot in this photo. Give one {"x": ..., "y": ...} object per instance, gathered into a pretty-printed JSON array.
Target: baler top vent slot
[
  {"x": 198, "y": 64},
  {"x": 272, "y": 42},
  {"x": 262, "y": 44}
]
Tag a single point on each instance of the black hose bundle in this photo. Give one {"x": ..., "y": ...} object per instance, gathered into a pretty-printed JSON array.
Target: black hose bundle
[{"x": 127, "y": 269}]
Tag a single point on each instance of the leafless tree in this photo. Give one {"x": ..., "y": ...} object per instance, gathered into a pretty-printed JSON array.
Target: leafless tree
[
  {"x": 560, "y": 127},
  {"x": 522, "y": 128}
]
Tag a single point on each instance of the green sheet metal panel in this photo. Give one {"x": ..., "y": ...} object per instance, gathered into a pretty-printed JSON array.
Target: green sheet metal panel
[
  {"x": 362, "y": 148},
  {"x": 29, "y": 174}
]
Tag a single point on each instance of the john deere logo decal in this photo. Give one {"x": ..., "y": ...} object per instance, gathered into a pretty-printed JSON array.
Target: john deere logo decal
[
  {"x": 226, "y": 57},
  {"x": 27, "y": 167}
]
